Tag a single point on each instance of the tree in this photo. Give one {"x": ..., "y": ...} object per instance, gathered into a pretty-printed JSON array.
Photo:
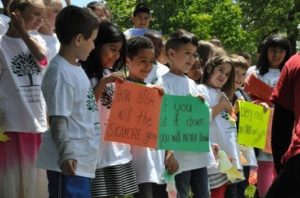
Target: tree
[{"x": 25, "y": 64}]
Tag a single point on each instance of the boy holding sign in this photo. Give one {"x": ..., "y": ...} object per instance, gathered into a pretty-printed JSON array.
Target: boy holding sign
[
  {"x": 181, "y": 52},
  {"x": 148, "y": 163}
]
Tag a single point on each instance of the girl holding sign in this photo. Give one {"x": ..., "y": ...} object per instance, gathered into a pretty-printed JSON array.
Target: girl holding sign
[
  {"x": 275, "y": 52},
  {"x": 115, "y": 175},
  {"x": 217, "y": 87}
]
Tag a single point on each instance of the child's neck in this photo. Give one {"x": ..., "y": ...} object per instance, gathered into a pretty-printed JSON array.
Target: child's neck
[
  {"x": 46, "y": 30},
  {"x": 67, "y": 53},
  {"x": 134, "y": 79}
]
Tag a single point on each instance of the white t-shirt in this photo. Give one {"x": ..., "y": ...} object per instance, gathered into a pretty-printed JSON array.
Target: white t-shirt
[
  {"x": 52, "y": 44},
  {"x": 21, "y": 97},
  {"x": 111, "y": 153},
  {"x": 222, "y": 131},
  {"x": 157, "y": 72},
  {"x": 4, "y": 23},
  {"x": 184, "y": 86},
  {"x": 135, "y": 32},
  {"x": 270, "y": 78},
  {"x": 68, "y": 93}
]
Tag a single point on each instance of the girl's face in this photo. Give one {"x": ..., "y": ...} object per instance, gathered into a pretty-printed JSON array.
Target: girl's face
[
  {"x": 52, "y": 12},
  {"x": 219, "y": 75},
  {"x": 239, "y": 77},
  {"x": 182, "y": 59},
  {"x": 275, "y": 56},
  {"x": 141, "y": 64},
  {"x": 33, "y": 16},
  {"x": 110, "y": 53},
  {"x": 196, "y": 71}
]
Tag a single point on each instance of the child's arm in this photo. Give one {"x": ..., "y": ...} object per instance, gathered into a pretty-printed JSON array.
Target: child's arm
[
  {"x": 37, "y": 50},
  {"x": 171, "y": 163},
  {"x": 59, "y": 132},
  {"x": 99, "y": 88},
  {"x": 223, "y": 104}
]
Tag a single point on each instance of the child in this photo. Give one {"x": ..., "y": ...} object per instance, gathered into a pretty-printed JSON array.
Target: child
[
  {"x": 148, "y": 163},
  {"x": 22, "y": 101},
  {"x": 218, "y": 89},
  {"x": 158, "y": 69},
  {"x": 100, "y": 10},
  {"x": 181, "y": 51},
  {"x": 249, "y": 159},
  {"x": 69, "y": 150},
  {"x": 140, "y": 19},
  {"x": 46, "y": 31},
  {"x": 275, "y": 52},
  {"x": 114, "y": 167}
]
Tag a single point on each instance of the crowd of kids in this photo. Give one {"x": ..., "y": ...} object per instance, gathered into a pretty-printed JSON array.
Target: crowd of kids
[{"x": 58, "y": 68}]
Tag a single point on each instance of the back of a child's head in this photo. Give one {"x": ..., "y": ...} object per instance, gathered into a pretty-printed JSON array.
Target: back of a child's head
[
  {"x": 273, "y": 41},
  {"x": 205, "y": 51},
  {"x": 21, "y": 5},
  {"x": 179, "y": 38},
  {"x": 239, "y": 61},
  {"x": 136, "y": 44},
  {"x": 141, "y": 7},
  {"x": 108, "y": 33},
  {"x": 209, "y": 68},
  {"x": 72, "y": 21},
  {"x": 157, "y": 41}
]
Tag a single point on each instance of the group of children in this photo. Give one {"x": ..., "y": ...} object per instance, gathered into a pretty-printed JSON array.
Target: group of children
[{"x": 56, "y": 92}]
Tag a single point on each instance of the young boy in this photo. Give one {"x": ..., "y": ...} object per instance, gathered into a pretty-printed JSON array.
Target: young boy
[
  {"x": 181, "y": 51},
  {"x": 140, "y": 19},
  {"x": 69, "y": 149},
  {"x": 148, "y": 163}
]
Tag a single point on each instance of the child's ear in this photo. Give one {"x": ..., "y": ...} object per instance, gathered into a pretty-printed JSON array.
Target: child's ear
[
  {"x": 77, "y": 40},
  {"x": 208, "y": 69},
  {"x": 170, "y": 53}
]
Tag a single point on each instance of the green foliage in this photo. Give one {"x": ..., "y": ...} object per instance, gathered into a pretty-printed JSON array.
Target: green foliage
[{"x": 239, "y": 24}]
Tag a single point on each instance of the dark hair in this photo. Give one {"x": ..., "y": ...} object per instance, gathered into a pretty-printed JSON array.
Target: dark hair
[
  {"x": 204, "y": 50},
  {"x": 276, "y": 41},
  {"x": 73, "y": 20},
  {"x": 21, "y": 5},
  {"x": 179, "y": 38},
  {"x": 239, "y": 61},
  {"x": 212, "y": 63},
  {"x": 108, "y": 33},
  {"x": 137, "y": 43},
  {"x": 156, "y": 40},
  {"x": 141, "y": 7}
]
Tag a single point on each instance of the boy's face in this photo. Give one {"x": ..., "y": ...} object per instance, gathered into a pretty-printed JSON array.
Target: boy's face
[
  {"x": 85, "y": 46},
  {"x": 182, "y": 59},
  {"x": 141, "y": 20},
  {"x": 239, "y": 77},
  {"x": 141, "y": 64}
]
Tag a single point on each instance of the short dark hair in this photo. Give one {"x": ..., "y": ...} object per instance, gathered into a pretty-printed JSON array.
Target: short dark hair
[
  {"x": 179, "y": 38},
  {"x": 73, "y": 20},
  {"x": 137, "y": 43},
  {"x": 141, "y": 7}
]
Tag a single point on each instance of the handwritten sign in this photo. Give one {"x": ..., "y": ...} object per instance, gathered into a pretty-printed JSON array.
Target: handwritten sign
[
  {"x": 184, "y": 124},
  {"x": 253, "y": 125},
  {"x": 134, "y": 115}
]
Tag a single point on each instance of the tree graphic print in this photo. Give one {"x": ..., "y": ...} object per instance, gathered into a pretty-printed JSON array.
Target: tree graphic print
[
  {"x": 91, "y": 101},
  {"x": 24, "y": 64},
  {"x": 107, "y": 96}
]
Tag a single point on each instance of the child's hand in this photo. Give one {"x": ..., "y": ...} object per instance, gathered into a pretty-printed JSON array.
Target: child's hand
[
  {"x": 159, "y": 89},
  {"x": 69, "y": 167},
  {"x": 171, "y": 164},
  {"x": 226, "y": 104},
  {"x": 215, "y": 149},
  {"x": 112, "y": 78},
  {"x": 201, "y": 97},
  {"x": 18, "y": 22},
  {"x": 265, "y": 106}
]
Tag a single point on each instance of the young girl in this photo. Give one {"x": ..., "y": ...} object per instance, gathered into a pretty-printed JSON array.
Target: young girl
[
  {"x": 218, "y": 89},
  {"x": 115, "y": 175},
  {"x": 274, "y": 53},
  {"x": 22, "y": 101},
  {"x": 46, "y": 31}
]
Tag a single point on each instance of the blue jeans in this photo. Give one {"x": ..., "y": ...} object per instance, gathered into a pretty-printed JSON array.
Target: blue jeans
[
  {"x": 67, "y": 186},
  {"x": 197, "y": 179}
]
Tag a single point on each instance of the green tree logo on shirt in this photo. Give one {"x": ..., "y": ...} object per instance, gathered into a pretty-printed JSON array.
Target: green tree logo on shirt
[
  {"x": 91, "y": 101},
  {"x": 25, "y": 65}
]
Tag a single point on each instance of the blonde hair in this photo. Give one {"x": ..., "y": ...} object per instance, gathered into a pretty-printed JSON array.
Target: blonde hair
[{"x": 23, "y": 4}]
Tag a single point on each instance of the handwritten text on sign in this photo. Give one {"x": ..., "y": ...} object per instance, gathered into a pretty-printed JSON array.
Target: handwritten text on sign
[
  {"x": 184, "y": 124},
  {"x": 253, "y": 125},
  {"x": 134, "y": 115}
]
